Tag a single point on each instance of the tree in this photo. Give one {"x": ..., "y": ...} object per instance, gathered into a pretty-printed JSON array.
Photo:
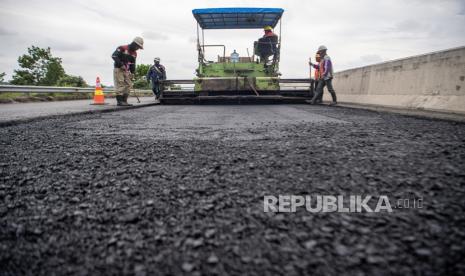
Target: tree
[
  {"x": 72, "y": 81},
  {"x": 2, "y": 77},
  {"x": 141, "y": 84},
  {"x": 140, "y": 76},
  {"x": 142, "y": 70},
  {"x": 38, "y": 67}
]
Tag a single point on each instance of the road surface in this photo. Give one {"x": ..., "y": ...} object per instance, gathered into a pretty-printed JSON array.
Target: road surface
[
  {"x": 27, "y": 111},
  {"x": 169, "y": 190}
]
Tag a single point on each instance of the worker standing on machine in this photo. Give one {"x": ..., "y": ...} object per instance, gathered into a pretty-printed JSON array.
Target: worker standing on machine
[
  {"x": 124, "y": 58},
  {"x": 156, "y": 74},
  {"x": 317, "y": 66},
  {"x": 326, "y": 76}
]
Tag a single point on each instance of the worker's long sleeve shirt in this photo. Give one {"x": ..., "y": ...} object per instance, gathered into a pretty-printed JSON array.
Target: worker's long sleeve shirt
[
  {"x": 125, "y": 58},
  {"x": 327, "y": 68}
]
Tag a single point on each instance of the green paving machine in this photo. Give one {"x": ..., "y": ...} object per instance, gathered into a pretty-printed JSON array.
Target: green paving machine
[{"x": 253, "y": 77}]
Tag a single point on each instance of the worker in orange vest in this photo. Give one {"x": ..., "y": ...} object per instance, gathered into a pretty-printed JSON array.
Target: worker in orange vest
[{"x": 318, "y": 73}]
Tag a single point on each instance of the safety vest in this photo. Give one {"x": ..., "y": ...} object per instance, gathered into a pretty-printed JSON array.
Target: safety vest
[
  {"x": 321, "y": 68},
  {"x": 319, "y": 72}
]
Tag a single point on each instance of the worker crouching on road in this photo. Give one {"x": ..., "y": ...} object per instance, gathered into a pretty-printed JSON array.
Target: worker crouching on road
[
  {"x": 156, "y": 74},
  {"x": 125, "y": 68},
  {"x": 317, "y": 78},
  {"x": 326, "y": 76}
]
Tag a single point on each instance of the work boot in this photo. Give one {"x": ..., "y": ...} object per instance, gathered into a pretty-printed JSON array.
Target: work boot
[
  {"x": 125, "y": 101},
  {"x": 119, "y": 100},
  {"x": 333, "y": 95},
  {"x": 313, "y": 101}
]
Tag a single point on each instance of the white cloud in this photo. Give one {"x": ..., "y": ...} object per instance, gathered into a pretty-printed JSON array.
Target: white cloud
[
  {"x": 85, "y": 33},
  {"x": 154, "y": 35},
  {"x": 6, "y": 32}
]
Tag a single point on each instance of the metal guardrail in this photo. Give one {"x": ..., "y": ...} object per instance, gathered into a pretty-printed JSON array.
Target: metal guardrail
[
  {"x": 47, "y": 89},
  {"x": 178, "y": 81},
  {"x": 54, "y": 89}
]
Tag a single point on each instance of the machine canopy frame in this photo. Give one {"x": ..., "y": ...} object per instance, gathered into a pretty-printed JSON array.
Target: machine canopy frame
[{"x": 237, "y": 18}]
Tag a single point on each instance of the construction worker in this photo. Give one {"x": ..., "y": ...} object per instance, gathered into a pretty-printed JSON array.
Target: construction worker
[
  {"x": 326, "y": 76},
  {"x": 267, "y": 44},
  {"x": 156, "y": 74},
  {"x": 317, "y": 74},
  {"x": 125, "y": 68}
]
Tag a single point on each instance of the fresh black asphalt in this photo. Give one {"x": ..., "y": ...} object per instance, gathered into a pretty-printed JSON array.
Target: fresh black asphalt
[{"x": 172, "y": 190}]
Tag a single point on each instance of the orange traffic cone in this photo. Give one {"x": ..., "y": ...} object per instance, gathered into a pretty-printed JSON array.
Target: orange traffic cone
[{"x": 99, "y": 98}]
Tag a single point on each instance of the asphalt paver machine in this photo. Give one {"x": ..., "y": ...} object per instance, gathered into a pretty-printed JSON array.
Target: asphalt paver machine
[{"x": 253, "y": 77}]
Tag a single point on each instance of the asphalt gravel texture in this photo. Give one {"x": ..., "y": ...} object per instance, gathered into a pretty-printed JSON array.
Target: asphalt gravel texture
[{"x": 179, "y": 190}]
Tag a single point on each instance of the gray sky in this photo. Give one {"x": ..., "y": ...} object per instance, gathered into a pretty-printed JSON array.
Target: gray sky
[{"x": 357, "y": 32}]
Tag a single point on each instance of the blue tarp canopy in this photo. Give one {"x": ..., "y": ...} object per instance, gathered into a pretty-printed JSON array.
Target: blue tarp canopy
[{"x": 237, "y": 18}]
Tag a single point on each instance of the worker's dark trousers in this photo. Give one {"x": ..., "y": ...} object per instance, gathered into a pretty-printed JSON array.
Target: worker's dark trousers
[
  {"x": 319, "y": 90},
  {"x": 320, "y": 97},
  {"x": 156, "y": 89}
]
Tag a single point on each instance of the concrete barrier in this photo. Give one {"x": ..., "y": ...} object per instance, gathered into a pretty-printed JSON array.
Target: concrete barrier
[{"x": 434, "y": 81}]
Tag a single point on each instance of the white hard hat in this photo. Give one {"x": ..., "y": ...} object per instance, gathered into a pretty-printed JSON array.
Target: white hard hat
[
  {"x": 139, "y": 41},
  {"x": 156, "y": 59},
  {"x": 322, "y": 48}
]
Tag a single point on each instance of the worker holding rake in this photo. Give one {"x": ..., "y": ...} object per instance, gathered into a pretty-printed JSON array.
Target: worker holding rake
[{"x": 124, "y": 58}]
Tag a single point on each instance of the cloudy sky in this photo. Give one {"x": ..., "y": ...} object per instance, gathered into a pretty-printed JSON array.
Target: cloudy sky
[{"x": 357, "y": 32}]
